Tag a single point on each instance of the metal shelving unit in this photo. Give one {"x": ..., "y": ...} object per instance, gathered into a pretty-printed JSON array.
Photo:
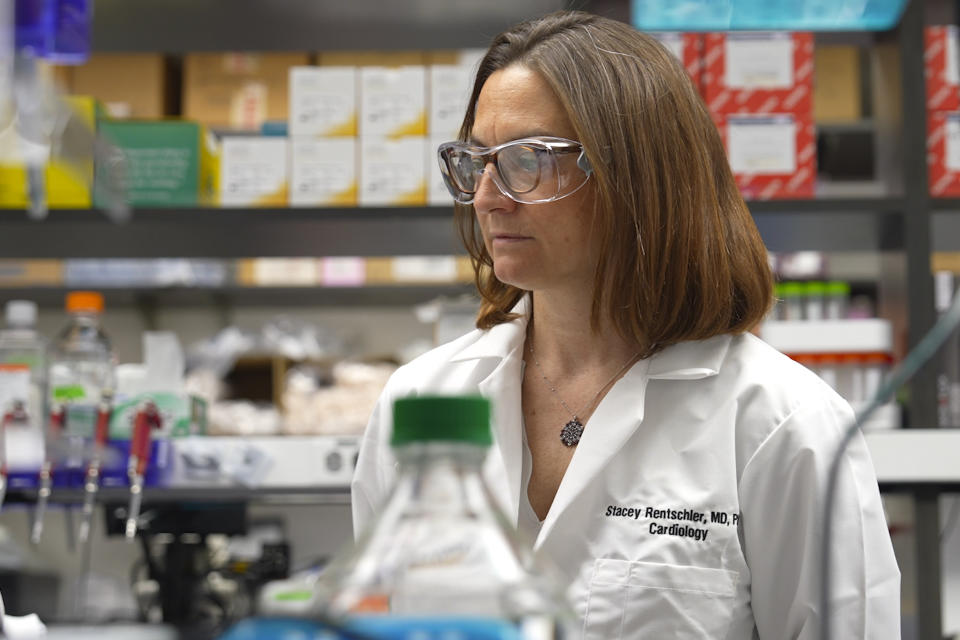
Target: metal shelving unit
[{"x": 912, "y": 224}]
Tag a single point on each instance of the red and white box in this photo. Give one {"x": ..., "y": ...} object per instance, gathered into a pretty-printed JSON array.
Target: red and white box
[
  {"x": 943, "y": 153},
  {"x": 758, "y": 72},
  {"x": 688, "y": 48},
  {"x": 772, "y": 156},
  {"x": 940, "y": 68}
]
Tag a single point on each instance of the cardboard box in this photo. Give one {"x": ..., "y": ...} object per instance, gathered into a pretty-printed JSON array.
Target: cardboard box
[
  {"x": 940, "y": 66},
  {"x": 771, "y": 156},
  {"x": 688, "y": 49},
  {"x": 943, "y": 153},
  {"x": 836, "y": 88},
  {"x": 130, "y": 85},
  {"x": 30, "y": 273},
  {"x": 758, "y": 72},
  {"x": 323, "y": 172},
  {"x": 237, "y": 90},
  {"x": 323, "y": 101},
  {"x": 450, "y": 87},
  {"x": 169, "y": 163},
  {"x": 253, "y": 171},
  {"x": 393, "y": 101},
  {"x": 69, "y": 177},
  {"x": 392, "y": 171},
  {"x": 371, "y": 58}
]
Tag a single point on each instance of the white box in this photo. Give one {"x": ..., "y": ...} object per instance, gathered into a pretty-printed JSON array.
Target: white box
[
  {"x": 437, "y": 193},
  {"x": 392, "y": 171},
  {"x": 323, "y": 101},
  {"x": 450, "y": 87},
  {"x": 393, "y": 101},
  {"x": 323, "y": 172},
  {"x": 253, "y": 171}
]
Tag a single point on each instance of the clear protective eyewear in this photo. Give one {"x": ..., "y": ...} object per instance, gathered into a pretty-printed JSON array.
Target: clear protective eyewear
[{"x": 528, "y": 170}]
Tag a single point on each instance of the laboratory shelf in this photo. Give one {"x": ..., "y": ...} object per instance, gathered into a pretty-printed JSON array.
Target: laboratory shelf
[
  {"x": 332, "y": 495},
  {"x": 834, "y": 224},
  {"x": 400, "y": 295},
  {"x": 916, "y": 459}
]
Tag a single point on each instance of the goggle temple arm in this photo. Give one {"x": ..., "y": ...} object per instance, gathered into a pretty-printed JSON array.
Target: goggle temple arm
[{"x": 584, "y": 163}]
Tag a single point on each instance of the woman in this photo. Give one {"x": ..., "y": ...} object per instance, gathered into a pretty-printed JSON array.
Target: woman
[{"x": 670, "y": 462}]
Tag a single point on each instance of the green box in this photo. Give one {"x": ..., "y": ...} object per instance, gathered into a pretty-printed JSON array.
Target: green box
[{"x": 168, "y": 163}]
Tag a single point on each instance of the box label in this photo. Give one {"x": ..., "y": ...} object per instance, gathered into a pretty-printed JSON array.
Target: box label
[
  {"x": 952, "y": 143},
  {"x": 759, "y": 61},
  {"x": 343, "y": 272},
  {"x": 323, "y": 172},
  {"x": 762, "y": 145},
  {"x": 323, "y": 101},
  {"x": 424, "y": 269}
]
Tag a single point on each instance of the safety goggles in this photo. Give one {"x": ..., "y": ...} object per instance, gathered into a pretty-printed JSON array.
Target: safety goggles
[{"x": 529, "y": 170}]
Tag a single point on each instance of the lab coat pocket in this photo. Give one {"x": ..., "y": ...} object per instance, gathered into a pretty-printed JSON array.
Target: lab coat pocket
[{"x": 640, "y": 600}]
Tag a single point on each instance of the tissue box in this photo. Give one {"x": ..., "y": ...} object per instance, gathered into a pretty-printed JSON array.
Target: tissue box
[
  {"x": 758, "y": 72},
  {"x": 182, "y": 415}
]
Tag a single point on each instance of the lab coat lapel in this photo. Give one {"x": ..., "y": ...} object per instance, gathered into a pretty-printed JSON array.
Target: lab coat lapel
[
  {"x": 614, "y": 421},
  {"x": 502, "y": 469}
]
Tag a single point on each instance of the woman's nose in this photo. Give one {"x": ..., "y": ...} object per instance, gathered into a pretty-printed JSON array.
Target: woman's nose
[{"x": 488, "y": 197}]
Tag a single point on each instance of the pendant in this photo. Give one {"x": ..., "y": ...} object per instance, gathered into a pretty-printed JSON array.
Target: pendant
[{"x": 571, "y": 432}]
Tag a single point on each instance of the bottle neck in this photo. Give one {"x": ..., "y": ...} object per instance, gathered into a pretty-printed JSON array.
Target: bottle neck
[
  {"x": 91, "y": 318},
  {"x": 442, "y": 476}
]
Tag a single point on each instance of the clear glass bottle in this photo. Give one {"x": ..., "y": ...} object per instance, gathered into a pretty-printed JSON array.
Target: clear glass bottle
[
  {"x": 441, "y": 561},
  {"x": 82, "y": 364}
]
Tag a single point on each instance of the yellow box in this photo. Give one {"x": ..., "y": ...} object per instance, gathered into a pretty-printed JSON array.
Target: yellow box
[
  {"x": 323, "y": 172},
  {"x": 323, "y": 101},
  {"x": 31, "y": 273},
  {"x": 253, "y": 171},
  {"x": 393, "y": 101},
  {"x": 69, "y": 178},
  {"x": 392, "y": 171}
]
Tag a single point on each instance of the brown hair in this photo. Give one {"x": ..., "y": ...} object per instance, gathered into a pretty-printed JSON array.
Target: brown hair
[{"x": 682, "y": 258}]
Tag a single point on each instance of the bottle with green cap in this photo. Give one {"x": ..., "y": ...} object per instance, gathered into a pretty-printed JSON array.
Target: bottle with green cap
[{"x": 441, "y": 561}]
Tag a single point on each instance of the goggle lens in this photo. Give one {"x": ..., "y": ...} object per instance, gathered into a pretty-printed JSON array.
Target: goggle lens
[{"x": 527, "y": 171}]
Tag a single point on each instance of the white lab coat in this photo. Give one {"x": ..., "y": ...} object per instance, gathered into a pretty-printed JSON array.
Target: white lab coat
[{"x": 692, "y": 506}]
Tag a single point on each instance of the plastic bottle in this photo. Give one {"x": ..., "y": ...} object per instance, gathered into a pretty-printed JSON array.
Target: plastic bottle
[
  {"x": 837, "y": 299},
  {"x": 23, "y": 369},
  {"x": 441, "y": 561},
  {"x": 814, "y": 300},
  {"x": 82, "y": 364},
  {"x": 792, "y": 300}
]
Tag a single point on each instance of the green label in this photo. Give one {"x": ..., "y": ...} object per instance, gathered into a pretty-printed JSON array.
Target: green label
[{"x": 69, "y": 393}]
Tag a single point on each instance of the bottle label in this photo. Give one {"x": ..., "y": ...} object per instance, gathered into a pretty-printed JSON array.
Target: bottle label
[
  {"x": 69, "y": 393},
  {"x": 14, "y": 385}
]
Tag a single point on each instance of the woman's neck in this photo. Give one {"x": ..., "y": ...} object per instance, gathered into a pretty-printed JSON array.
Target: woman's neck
[{"x": 562, "y": 339}]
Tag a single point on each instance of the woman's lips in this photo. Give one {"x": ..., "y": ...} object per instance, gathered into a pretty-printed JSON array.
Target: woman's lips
[{"x": 508, "y": 238}]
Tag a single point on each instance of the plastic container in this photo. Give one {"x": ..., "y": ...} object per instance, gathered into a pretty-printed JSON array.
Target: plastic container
[
  {"x": 82, "y": 364},
  {"x": 714, "y": 15},
  {"x": 836, "y": 299},
  {"x": 22, "y": 362},
  {"x": 814, "y": 300},
  {"x": 441, "y": 561},
  {"x": 792, "y": 300}
]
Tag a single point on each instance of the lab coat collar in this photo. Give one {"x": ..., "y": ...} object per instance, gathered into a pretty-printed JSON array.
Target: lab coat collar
[{"x": 690, "y": 360}]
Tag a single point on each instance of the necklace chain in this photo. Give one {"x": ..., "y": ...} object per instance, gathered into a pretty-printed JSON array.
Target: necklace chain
[{"x": 553, "y": 388}]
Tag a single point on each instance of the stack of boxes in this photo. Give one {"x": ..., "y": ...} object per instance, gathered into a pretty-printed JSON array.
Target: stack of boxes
[
  {"x": 759, "y": 87},
  {"x": 943, "y": 110}
]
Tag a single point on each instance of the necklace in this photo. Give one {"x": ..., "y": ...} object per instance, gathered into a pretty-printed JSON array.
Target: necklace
[{"x": 570, "y": 432}]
